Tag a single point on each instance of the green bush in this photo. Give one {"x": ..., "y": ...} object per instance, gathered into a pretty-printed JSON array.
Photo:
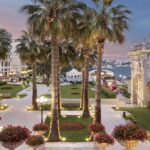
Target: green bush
[
  {"x": 2, "y": 83},
  {"x": 148, "y": 105},
  {"x": 66, "y": 106},
  {"x": 108, "y": 93}
]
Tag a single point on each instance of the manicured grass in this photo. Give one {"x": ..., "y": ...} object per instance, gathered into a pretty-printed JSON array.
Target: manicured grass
[
  {"x": 73, "y": 91},
  {"x": 140, "y": 114},
  {"x": 75, "y": 135},
  {"x": 14, "y": 89}
]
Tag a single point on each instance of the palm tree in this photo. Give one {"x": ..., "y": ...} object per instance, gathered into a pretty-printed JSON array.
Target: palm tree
[
  {"x": 85, "y": 36},
  {"x": 29, "y": 52},
  {"x": 67, "y": 54},
  {"x": 55, "y": 19},
  {"x": 110, "y": 23},
  {"x": 5, "y": 43}
]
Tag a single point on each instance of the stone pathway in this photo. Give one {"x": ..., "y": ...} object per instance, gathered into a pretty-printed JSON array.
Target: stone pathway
[{"x": 17, "y": 115}]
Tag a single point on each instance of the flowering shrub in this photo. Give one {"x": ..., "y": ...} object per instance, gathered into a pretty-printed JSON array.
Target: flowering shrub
[
  {"x": 95, "y": 128},
  {"x": 35, "y": 140},
  {"x": 103, "y": 138},
  {"x": 72, "y": 126},
  {"x": 40, "y": 127},
  {"x": 14, "y": 134},
  {"x": 129, "y": 132}
]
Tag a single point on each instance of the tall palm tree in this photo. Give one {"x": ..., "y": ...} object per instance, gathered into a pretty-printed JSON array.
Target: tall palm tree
[
  {"x": 55, "y": 19},
  {"x": 5, "y": 43},
  {"x": 29, "y": 53},
  {"x": 85, "y": 32},
  {"x": 110, "y": 23},
  {"x": 67, "y": 54}
]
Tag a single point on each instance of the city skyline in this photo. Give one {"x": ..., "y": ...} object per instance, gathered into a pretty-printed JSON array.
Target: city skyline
[{"x": 14, "y": 21}]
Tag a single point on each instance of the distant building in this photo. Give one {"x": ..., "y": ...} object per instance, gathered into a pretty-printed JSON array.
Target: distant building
[
  {"x": 16, "y": 66},
  {"x": 140, "y": 74},
  {"x": 5, "y": 66},
  {"x": 12, "y": 65}
]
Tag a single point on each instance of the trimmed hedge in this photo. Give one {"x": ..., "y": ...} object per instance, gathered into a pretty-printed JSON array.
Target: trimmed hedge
[
  {"x": 108, "y": 93},
  {"x": 2, "y": 83},
  {"x": 66, "y": 106}
]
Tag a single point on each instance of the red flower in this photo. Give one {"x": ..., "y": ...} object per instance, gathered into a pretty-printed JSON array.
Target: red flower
[
  {"x": 129, "y": 132},
  {"x": 103, "y": 138},
  {"x": 14, "y": 134},
  {"x": 95, "y": 128},
  {"x": 40, "y": 127},
  {"x": 72, "y": 126},
  {"x": 35, "y": 140}
]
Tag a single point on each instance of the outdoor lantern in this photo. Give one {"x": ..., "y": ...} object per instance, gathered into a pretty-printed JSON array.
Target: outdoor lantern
[{"x": 42, "y": 100}]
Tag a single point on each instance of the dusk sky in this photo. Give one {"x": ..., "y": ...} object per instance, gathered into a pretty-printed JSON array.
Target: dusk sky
[{"x": 14, "y": 21}]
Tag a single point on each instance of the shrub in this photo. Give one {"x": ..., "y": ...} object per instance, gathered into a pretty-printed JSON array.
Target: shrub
[
  {"x": 108, "y": 93},
  {"x": 104, "y": 138},
  {"x": 14, "y": 134},
  {"x": 72, "y": 126},
  {"x": 148, "y": 105},
  {"x": 2, "y": 83},
  {"x": 40, "y": 127},
  {"x": 35, "y": 140},
  {"x": 129, "y": 132},
  {"x": 7, "y": 88},
  {"x": 75, "y": 93},
  {"x": 95, "y": 128},
  {"x": 71, "y": 106}
]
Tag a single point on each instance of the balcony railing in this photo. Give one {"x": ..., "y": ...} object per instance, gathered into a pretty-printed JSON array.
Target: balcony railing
[{"x": 145, "y": 46}]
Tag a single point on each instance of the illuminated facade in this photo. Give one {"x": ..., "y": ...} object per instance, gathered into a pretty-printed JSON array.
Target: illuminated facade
[{"x": 140, "y": 74}]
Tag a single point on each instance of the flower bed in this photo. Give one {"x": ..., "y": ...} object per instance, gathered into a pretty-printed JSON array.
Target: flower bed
[
  {"x": 72, "y": 126},
  {"x": 7, "y": 88},
  {"x": 75, "y": 93}
]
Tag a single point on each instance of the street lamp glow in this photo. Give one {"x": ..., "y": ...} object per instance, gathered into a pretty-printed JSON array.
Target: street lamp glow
[{"x": 42, "y": 100}]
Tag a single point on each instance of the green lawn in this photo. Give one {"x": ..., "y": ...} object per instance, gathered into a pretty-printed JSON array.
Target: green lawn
[
  {"x": 75, "y": 135},
  {"x": 14, "y": 89},
  {"x": 74, "y": 91},
  {"x": 141, "y": 115}
]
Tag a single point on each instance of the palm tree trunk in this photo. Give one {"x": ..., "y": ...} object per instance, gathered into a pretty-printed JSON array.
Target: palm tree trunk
[
  {"x": 82, "y": 89},
  {"x": 54, "y": 134},
  {"x": 34, "y": 87},
  {"x": 97, "y": 117},
  {"x": 59, "y": 95},
  {"x": 86, "y": 112}
]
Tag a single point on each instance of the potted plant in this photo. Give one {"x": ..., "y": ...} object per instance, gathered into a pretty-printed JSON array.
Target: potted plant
[
  {"x": 40, "y": 128},
  {"x": 96, "y": 128},
  {"x": 104, "y": 140},
  {"x": 35, "y": 142},
  {"x": 13, "y": 136},
  {"x": 129, "y": 135}
]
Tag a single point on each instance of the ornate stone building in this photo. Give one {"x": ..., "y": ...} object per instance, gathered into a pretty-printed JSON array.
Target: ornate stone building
[{"x": 140, "y": 74}]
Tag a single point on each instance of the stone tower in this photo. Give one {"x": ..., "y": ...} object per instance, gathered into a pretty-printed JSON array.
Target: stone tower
[{"x": 140, "y": 74}]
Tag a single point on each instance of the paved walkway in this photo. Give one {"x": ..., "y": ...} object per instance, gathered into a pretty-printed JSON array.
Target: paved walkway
[{"x": 17, "y": 115}]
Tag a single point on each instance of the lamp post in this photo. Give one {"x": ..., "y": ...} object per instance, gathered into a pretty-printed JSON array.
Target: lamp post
[{"x": 42, "y": 100}]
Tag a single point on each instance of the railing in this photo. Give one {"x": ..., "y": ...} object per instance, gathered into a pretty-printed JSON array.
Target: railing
[{"x": 145, "y": 46}]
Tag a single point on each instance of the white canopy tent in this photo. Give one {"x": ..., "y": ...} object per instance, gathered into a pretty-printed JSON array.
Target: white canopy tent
[
  {"x": 73, "y": 76},
  {"x": 104, "y": 72}
]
